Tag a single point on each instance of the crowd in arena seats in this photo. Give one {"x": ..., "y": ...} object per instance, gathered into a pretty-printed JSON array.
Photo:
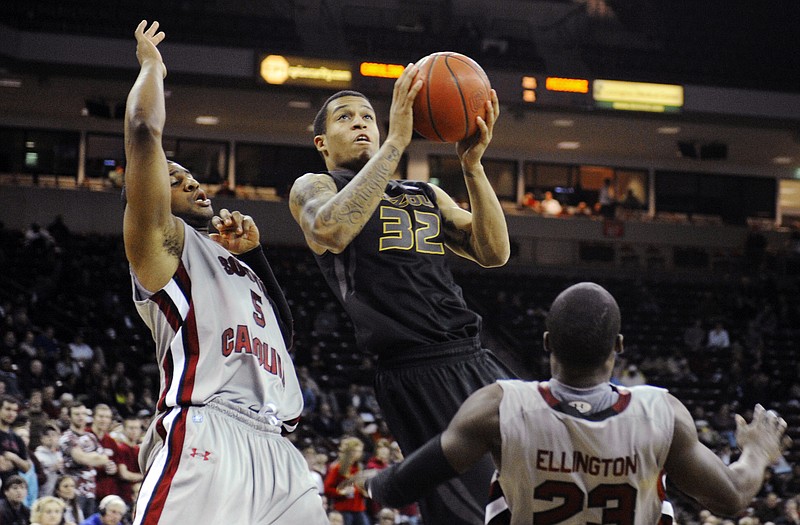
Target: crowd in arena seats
[{"x": 70, "y": 338}]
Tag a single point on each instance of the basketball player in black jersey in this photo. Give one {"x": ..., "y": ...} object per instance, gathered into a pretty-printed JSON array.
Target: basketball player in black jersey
[{"x": 380, "y": 244}]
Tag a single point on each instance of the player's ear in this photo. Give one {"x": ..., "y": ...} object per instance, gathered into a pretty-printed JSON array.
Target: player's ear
[
  {"x": 546, "y": 342},
  {"x": 320, "y": 144},
  {"x": 618, "y": 347}
]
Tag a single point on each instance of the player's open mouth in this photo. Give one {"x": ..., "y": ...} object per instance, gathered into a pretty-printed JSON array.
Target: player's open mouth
[
  {"x": 202, "y": 199},
  {"x": 363, "y": 139}
]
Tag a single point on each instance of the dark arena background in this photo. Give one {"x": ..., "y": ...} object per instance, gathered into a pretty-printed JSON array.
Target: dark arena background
[{"x": 690, "y": 109}]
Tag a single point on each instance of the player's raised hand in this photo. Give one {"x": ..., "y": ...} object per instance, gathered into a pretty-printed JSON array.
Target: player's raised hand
[
  {"x": 238, "y": 233},
  {"x": 471, "y": 149},
  {"x": 401, "y": 112},
  {"x": 764, "y": 435},
  {"x": 146, "y": 42}
]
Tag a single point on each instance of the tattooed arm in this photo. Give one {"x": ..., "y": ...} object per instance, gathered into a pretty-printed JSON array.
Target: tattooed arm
[{"x": 331, "y": 220}]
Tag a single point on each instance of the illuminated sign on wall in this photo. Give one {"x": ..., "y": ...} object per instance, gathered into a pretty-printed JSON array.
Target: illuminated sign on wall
[
  {"x": 279, "y": 69},
  {"x": 380, "y": 70},
  {"x": 637, "y": 96},
  {"x": 568, "y": 85}
]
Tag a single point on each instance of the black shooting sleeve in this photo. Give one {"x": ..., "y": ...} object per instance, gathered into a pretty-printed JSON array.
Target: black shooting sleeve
[
  {"x": 420, "y": 472},
  {"x": 257, "y": 261}
]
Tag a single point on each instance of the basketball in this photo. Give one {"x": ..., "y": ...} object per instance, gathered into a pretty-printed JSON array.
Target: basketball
[{"x": 454, "y": 91}]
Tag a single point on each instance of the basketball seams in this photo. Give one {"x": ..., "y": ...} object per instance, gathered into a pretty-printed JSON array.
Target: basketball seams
[
  {"x": 464, "y": 108},
  {"x": 454, "y": 92},
  {"x": 428, "y": 91}
]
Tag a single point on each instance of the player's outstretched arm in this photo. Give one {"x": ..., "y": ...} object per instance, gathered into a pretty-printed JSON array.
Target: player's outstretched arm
[
  {"x": 482, "y": 235},
  {"x": 698, "y": 472},
  {"x": 474, "y": 431},
  {"x": 152, "y": 241},
  {"x": 330, "y": 220}
]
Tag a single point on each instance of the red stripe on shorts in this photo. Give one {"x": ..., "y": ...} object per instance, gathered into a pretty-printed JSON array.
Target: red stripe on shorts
[{"x": 177, "y": 437}]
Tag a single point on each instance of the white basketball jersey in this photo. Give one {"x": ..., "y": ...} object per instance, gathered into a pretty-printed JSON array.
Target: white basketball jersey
[
  {"x": 217, "y": 335},
  {"x": 567, "y": 468}
]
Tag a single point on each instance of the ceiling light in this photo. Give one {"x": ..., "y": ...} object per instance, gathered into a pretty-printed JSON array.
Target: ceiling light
[
  {"x": 563, "y": 123},
  {"x": 669, "y": 130},
  {"x": 569, "y": 144},
  {"x": 207, "y": 120},
  {"x": 299, "y": 104},
  {"x": 782, "y": 160},
  {"x": 10, "y": 82}
]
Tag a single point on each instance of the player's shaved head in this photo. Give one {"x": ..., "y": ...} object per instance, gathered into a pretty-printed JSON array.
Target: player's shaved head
[{"x": 583, "y": 325}]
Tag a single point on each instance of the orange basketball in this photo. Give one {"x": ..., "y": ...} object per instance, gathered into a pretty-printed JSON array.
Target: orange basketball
[{"x": 454, "y": 91}]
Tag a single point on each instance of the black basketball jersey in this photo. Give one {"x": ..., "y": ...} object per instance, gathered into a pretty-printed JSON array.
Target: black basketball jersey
[{"x": 394, "y": 279}]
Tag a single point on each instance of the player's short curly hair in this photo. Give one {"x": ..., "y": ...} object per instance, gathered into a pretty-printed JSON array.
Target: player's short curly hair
[{"x": 321, "y": 119}]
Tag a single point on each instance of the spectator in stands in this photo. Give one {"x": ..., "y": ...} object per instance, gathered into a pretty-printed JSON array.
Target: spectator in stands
[
  {"x": 66, "y": 491},
  {"x": 50, "y": 458},
  {"x": 386, "y": 516},
  {"x": 34, "y": 377},
  {"x": 549, "y": 205},
  {"x": 607, "y": 200},
  {"x": 47, "y": 510},
  {"x": 632, "y": 376},
  {"x": 718, "y": 336},
  {"x": 83, "y": 454},
  {"x": 27, "y": 350},
  {"x": 310, "y": 455},
  {"x": 49, "y": 347},
  {"x": 30, "y": 476},
  {"x": 68, "y": 371},
  {"x": 529, "y": 202},
  {"x": 790, "y": 515},
  {"x": 13, "y": 452},
  {"x": 225, "y": 189},
  {"x": 695, "y": 335},
  {"x": 80, "y": 351},
  {"x": 769, "y": 509},
  {"x": 106, "y": 475},
  {"x": 127, "y": 458},
  {"x": 724, "y": 422},
  {"x": 348, "y": 501},
  {"x": 325, "y": 423},
  {"x": 110, "y": 511},
  {"x": 12, "y": 508},
  {"x": 631, "y": 201},
  {"x": 379, "y": 461},
  {"x": 8, "y": 376},
  {"x": 351, "y": 423}
]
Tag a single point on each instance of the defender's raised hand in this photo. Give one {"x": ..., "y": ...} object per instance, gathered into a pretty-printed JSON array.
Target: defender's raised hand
[
  {"x": 146, "y": 42},
  {"x": 238, "y": 233}
]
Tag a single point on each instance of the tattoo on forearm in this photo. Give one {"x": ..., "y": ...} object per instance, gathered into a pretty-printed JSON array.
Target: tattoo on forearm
[
  {"x": 456, "y": 237},
  {"x": 365, "y": 192}
]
